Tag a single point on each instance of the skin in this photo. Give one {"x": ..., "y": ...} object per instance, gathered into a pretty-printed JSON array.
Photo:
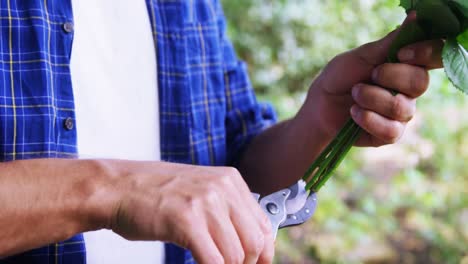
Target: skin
[
  {"x": 356, "y": 84},
  {"x": 210, "y": 210}
]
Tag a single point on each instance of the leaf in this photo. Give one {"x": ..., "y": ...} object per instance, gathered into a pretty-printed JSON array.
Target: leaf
[
  {"x": 464, "y": 24},
  {"x": 461, "y": 5},
  {"x": 437, "y": 19},
  {"x": 409, "y": 34},
  {"x": 408, "y": 5},
  {"x": 455, "y": 58},
  {"x": 463, "y": 39}
]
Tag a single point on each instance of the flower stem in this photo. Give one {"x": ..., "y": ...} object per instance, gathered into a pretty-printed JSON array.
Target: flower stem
[{"x": 330, "y": 158}]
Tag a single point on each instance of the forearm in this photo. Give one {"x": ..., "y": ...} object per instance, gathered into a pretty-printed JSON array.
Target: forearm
[
  {"x": 49, "y": 200},
  {"x": 279, "y": 156}
]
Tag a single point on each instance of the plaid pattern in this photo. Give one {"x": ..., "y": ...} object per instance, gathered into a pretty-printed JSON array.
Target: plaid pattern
[{"x": 208, "y": 111}]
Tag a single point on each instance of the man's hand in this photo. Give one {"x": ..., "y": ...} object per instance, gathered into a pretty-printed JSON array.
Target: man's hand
[
  {"x": 359, "y": 83},
  {"x": 208, "y": 210}
]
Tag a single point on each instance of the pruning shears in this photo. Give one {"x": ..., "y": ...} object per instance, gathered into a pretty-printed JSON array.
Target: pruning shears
[{"x": 288, "y": 207}]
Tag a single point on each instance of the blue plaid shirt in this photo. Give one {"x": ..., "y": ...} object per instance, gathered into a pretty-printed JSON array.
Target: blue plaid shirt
[{"x": 208, "y": 110}]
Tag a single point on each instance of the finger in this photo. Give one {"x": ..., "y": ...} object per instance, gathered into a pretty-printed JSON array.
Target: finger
[
  {"x": 410, "y": 80},
  {"x": 225, "y": 237},
  {"x": 203, "y": 247},
  {"x": 254, "y": 213},
  {"x": 358, "y": 63},
  {"x": 246, "y": 196},
  {"x": 268, "y": 250},
  {"x": 367, "y": 140},
  {"x": 427, "y": 54},
  {"x": 265, "y": 226},
  {"x": 249, "y": 232},
  {"x": 381, "y": 101},
  {"x": 376, "y": 52},
  {"x": 389, "y": 131}
]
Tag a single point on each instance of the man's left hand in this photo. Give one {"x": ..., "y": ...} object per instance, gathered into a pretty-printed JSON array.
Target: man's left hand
[{"x": 360, "y": 83}]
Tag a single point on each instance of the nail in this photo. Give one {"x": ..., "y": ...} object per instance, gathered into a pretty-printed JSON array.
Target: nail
[{"x": 406, "y": 54}]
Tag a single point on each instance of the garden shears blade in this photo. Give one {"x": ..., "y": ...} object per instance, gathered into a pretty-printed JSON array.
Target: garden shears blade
[{"x": 288, "y": 207}]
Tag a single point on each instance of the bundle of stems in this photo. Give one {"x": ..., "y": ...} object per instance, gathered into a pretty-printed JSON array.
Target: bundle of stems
[
  {"x": 436, "y": 19},
  {"x": 330, "y": 158}
]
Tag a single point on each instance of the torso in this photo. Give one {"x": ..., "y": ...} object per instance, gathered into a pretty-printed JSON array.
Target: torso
[{"x": 114, "y": 80}]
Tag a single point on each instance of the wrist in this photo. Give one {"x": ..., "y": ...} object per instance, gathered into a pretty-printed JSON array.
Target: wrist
[
  {"x": 311, "y": 125},
  {"x": 51, "y": 200},
  {"x": 103, "y": 192}
]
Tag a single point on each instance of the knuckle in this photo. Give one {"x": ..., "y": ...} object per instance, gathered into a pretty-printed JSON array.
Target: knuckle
[
  {"x": 221, "y": 182},
  {"x": 236, "y": 258},
  {"x": 396, "y": 107},
  {"x": 392, "y": 133},
  {"x": 419, "y": 82},
  {"x": 232, "y": 172},
  {"x": 366, "y": 118},
  {"x": 229, "y": 175},
  {"x": 426, "y": 52},
  {"x": 255, "y": 245},
  {"x": 209, "y": 195}
]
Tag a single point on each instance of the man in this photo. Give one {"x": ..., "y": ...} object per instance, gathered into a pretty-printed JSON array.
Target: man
[{"x": 208, "y": 118}]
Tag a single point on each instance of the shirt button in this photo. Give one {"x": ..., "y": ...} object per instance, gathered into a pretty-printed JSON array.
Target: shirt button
[
  {"x": 68, "y": 27},
  {"x": 68, "y": 123}
]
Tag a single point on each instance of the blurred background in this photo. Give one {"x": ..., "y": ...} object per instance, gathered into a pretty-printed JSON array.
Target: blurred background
[{"x": 405, "y": 203}]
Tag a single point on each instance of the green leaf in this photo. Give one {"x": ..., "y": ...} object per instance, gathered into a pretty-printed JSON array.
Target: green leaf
[
  {"x": 464, "y": 24},
  {"x": 409, "y": 34},
  {"x": 408, "y": 5},
  {"x": 437, "y": 19},
  {"x": 463, "y": 39},
  {"x": 461, "y": 5},
  {"x": 455, "y": 58}
]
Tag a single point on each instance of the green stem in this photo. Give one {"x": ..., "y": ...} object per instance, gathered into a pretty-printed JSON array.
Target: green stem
[
  {"x": 326, "y": 152},
  {"x": 333, "y": 154},
  {"x": 341, "y": 154},
  {"x": 328, "y": 161}
]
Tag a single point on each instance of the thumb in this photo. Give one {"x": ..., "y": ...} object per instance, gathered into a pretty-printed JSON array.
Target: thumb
[{"x": 375, "y": 53}]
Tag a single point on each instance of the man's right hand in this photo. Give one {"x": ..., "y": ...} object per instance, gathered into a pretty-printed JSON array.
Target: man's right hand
[{"x": 208, "y": 210}]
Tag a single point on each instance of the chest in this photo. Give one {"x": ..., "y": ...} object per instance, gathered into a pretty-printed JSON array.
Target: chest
[{"x": 37, "y": 108}]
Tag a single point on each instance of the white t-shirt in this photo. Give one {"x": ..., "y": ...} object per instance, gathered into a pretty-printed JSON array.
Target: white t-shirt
[{"x": 114, "y": 78}]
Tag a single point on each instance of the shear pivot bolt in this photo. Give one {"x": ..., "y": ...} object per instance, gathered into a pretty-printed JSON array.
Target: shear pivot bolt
[{"x": 272, "y": 208}]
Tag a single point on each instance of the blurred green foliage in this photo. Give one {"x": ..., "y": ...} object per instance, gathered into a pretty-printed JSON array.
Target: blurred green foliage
[{"x": 405, "y": 203}]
